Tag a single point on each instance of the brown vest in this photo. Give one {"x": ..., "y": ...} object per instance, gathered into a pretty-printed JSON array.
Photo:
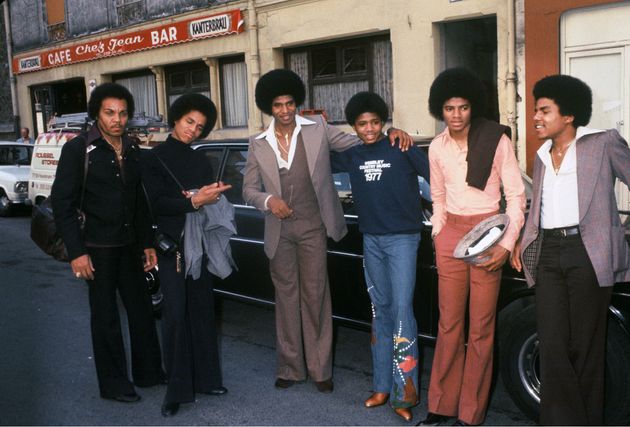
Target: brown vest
[{"x": 297, "y": 188}]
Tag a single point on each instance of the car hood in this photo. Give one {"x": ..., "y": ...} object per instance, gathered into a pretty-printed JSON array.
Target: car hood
[{"x": 21, "y": 173}]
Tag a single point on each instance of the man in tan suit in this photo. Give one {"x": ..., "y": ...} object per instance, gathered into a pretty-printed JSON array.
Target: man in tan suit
[
  {"x": 288, "y": 177},
  {"x": 573, "y": 248}
]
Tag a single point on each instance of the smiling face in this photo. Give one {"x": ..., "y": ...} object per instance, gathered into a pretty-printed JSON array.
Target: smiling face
[
  {"x": 549, "y": 123},
  {"x": 457, "y": 114},
  {"x": 369, "y": 128},
  {"x": 189, "y": 126},
  {"x": 283, "y": 110},
  {"x": 113, "y": 117}
]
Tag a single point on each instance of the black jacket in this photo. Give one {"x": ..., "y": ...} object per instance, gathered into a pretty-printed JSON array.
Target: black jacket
[
  {"x": 114, "y": 204},
  {"x": 191, "y": 168}
]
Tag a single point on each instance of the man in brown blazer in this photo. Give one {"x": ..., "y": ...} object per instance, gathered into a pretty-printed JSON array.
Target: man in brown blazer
[
  {"x": 573, "y": 248},
  {"x": 288, "y": 177}
]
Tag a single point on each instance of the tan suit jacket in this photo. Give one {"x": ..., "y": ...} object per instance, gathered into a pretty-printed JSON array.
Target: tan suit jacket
[
  {"x": 601, "y": 157},
  {"x": 262, "y": 178}
]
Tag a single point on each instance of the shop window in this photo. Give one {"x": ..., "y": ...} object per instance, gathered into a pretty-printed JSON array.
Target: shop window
[
  {"x": 334, "y": 72},
  {"x": 192, "y": 77},
  {"x": 143, "y": 88},
  {"x": 130, "y": 11},
  {"x": 56, "y": 19},
  {"x": 234, "y": 91}
]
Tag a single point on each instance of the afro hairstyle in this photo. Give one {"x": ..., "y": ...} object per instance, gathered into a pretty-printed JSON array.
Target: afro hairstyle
[
  {"x": 573, "y": 96},
  {"x": 457, "y": 83},
  {"x": 193, "y": 102},
  {"x": 109, "y": 90},
  {"x": 366, "y": 102},
  {"x": 276, "y": 83}
]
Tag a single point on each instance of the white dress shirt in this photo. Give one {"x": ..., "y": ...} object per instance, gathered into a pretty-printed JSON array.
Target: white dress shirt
[
  {"x": 270, "y": 136},
  {"x": 559, "y": 204}
]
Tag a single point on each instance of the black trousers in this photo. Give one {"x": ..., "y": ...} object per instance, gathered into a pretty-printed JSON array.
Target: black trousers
[
  {"x": 571, "y": 311},
  {"x": 189, "y": 333},
  {"x": 120, "y": 269}
]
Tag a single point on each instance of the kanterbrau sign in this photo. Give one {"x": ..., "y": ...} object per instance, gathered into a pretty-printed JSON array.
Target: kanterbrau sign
[{"x": 220, "y": 24}]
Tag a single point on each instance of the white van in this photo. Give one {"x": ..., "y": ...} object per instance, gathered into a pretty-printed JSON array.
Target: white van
[{"x": 46, "y": 153}]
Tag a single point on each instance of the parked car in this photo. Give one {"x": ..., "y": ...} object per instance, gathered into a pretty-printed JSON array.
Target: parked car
[
  {"x": 517, "y": 343},
  {"x": 15, "y": 160}
]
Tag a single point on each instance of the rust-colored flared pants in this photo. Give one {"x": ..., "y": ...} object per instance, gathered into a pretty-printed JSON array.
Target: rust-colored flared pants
[{"x": 461, "y": 375}]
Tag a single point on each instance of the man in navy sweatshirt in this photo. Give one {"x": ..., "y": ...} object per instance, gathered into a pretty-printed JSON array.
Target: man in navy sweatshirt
[{"x": 385, "y": 190}]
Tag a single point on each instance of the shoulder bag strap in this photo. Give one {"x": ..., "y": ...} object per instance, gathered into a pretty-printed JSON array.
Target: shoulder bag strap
[
  {"x": 169, "y": 171},
  {"x": 85, "y": 171}
]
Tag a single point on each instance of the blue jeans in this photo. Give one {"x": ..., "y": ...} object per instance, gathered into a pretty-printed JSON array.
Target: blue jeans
[{"x": 390, "y": 274}]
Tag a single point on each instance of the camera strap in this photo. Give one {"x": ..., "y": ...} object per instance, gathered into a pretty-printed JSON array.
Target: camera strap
[{"x": 169, "y": 171}]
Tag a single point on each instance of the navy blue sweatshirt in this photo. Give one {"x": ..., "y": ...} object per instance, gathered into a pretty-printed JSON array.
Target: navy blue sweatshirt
[{"x": 385, "y": 185}]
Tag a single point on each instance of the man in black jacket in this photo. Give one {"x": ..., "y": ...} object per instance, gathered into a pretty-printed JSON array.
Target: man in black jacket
[{"x": 107, "y": 253}]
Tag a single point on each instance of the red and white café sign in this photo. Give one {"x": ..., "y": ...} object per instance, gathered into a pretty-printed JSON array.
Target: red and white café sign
[{"x": 215, "y": 25}]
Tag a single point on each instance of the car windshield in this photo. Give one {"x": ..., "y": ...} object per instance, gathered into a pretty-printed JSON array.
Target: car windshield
[{"x": 15, "y": 154}]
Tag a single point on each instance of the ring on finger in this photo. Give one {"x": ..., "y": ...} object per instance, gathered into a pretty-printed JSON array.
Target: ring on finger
[{"x": 77, "y": 275}]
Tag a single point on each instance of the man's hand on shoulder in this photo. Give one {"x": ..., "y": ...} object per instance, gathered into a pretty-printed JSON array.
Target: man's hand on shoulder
[{"x": 403, "y": 138}]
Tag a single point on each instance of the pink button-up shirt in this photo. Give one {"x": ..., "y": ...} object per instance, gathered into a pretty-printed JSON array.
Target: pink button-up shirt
[{"x": 451, "y": 193}]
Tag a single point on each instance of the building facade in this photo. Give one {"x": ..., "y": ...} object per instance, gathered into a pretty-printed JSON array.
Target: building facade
[{"x": 160, "y": 49}]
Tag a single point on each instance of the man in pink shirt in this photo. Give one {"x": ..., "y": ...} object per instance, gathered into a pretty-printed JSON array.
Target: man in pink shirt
[{"x": 469, "y": 162}]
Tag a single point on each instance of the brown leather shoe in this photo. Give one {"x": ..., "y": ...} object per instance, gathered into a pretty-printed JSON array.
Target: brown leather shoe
[
  {"x": 282, "y": 383},
  {"x": 325, "y": 386},
  {"x": 377, "y": 399},
  {"x": 404, "y": 413}
]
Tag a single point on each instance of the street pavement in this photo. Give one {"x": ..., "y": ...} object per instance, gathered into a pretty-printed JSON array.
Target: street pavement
[{"x": 47, "y": 374}]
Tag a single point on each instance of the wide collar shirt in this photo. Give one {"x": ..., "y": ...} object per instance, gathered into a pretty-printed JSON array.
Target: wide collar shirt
[
  {"x": 452, "y": 194},
  {"x": 559, "y": 202},
  {"x": 270, "y": 136}
]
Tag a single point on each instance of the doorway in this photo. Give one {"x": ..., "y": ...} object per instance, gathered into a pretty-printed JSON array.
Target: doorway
[
  {"x": 472, "y": 44},
  {"x": 55, "y": 99},
  {"x": 602, "y": 60}
]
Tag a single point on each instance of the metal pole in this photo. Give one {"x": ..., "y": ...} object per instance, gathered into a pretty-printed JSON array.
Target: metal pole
[{"x": 12, "y": 79}]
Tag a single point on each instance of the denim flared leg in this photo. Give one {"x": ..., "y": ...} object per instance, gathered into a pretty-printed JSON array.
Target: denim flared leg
[{"x": 390, "y": 270}]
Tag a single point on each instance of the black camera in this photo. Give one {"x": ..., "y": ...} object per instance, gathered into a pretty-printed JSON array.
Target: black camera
[{"x": 165, "y": 244}]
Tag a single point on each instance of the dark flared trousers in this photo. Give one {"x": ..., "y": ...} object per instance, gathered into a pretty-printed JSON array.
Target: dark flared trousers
[
  {"x": 571, "y": 311},
  {"x": 120, "y": 269},
  {"x": 189, "y": 333}
]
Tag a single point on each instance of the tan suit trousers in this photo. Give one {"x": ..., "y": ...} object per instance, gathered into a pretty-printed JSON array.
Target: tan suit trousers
[
  {"x": 461, "y": 375},
  {"x": 303, "y": 307}
]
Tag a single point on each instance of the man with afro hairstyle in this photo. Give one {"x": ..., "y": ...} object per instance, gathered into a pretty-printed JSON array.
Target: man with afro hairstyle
[
  {"x": 288, "y": 177},
  {"x": 107, "y": 252},
  {"x": 387, "y": 199},
  {"x": 573, "y": 248},
  {"x": 470, "y": 161}
]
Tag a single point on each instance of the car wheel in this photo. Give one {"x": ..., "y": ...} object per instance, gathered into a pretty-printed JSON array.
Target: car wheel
[
  {"x": 617, "y": 410},
  {"x": 520, "y": 368},
  {"x": 5, "y": 204},
  {"x": 518, "y": 359}
]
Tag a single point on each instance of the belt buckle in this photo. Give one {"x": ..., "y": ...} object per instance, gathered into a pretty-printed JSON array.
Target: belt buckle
[{"x": 563, "y": 232}]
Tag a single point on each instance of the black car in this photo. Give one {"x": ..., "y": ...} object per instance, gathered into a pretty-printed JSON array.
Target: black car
[{"x": 516, "y": 324}]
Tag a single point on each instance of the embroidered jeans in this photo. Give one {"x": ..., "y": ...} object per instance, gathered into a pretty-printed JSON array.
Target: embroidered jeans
[{"x": 390, "y": 274}]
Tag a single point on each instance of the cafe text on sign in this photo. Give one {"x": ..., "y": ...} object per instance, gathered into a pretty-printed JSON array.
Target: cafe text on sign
[{"x": 192, "y": 29}]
